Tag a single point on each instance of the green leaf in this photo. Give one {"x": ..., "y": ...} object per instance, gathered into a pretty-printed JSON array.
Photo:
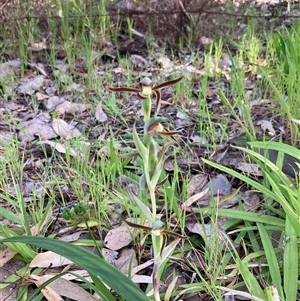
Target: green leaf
[
  {"x": 158, "y": 168},
  {"x": 144, "y": 209},
  {"x": 168, "y": 250},
  {"x": 250, "y": 280},
  {"x": 14, "y": 277},
  {"x": 271, "y": 259},
  {"x": 105, "y": 293},
  {"x": 290, "y": 263},
  {"x": 271, "y": 293},
  {"x": 25, "y": 251},
  {"x": 89, "y": 261},
  {"x": 244, "y": 216},
  {"x": 288, "y": 209},
  {"x": 280, "y": 147},
  {"x": 10, "y": 216},
  {"x": 139, "y": 145}
]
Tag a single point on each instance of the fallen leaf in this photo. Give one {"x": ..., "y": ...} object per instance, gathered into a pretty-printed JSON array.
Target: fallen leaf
[
  {"x": 6, "y": 137},
  {"x": 80, "y": 273},
  {"x": 44, "y": 131},
  {"x": 196, "y": 184},
  {"x": 6, "y": 255},
  {"x": 210, "y": 93},
  {"x": 138, "y": 61},
  {"x": 63, "y": 77},
  {"x": 197, "y": 140},
  {"x": 267, "y": 126},
  {"x": 251, "y": 200},
  {"x": 295, "y": 120},
  {"x": 165, "y": 62},
  {"x": 64, "y": 129},
  {"x": 219, "y": 185},
  {"x": 39, "y": 67},
  {"x": 53, "y": 101},
  {"x": 63, "y": 149},
  {"x": 121, "y": 236},
  {"x": 118, "y": 238},
  {"x": 72, "y": 237},
  {"x": 63, "y": 287},
  {"x": 188, "y": 70},
  {"x": 67, "y": 107},
  {"x": 48, "y": 292},
  {"x": 41, "y": 96},
  {"x": 126, "y": 260},
  {"x": 5, "y": 70},
  {"x": 75, "y": 87},
  {"x": 142, "y": 266},
  {"x": 213, "y": 235},
  {"x": 249, "y": 168},
  {"x": 38, "y": 126},
  {"x": 197, "y": 198},
  {"x": 38, "y": 46},
  {"x": 9, "y": 68},
  {"x": 225, "y": 62},
  {"x": 100, "y": 115},
  {"x": 32, "y": 85},
  {"x": 44, "y": 260},
  {"x": 259, "y": 102},
  {"x": 141, "y": 279},
  {"x": 180, "y": 115}
]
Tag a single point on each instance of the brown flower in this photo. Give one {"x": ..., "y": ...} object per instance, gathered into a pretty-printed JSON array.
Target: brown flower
[{"x": 146, "y": 89}]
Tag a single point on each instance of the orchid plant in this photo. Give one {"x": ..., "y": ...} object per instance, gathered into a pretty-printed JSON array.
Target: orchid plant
[{"x": 153, "y": 158}]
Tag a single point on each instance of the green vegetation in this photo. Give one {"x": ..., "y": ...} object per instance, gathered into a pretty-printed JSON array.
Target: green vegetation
[{"x": 129, "y": 158}]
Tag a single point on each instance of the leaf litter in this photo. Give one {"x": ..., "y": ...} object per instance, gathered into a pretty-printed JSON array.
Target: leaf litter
[{"x": 59, "y": 117}]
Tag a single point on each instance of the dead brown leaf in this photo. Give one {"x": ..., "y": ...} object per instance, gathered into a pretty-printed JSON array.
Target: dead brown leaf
[
  {"x": 70, "y": 108},
  {"x": 100, "y": 115},
  {"x": 62, "y": 287},
  {"x": 38, "y": 126},
  {"x": 266, "y": 125},
  {"x": 44, "y": 260},
  {"x": 126, "y": 260},
  {"x": 63, "y": 149},
  {"x": 53, "y": 101},
  {"x": 32, "y": 85},
  {"x": 212, "y": 234},
  {"x": 249, "y": 168},
  {"x": 6, "y": 255},
  {"x": 48, "y": 292},
  {"x": 9, "y": 68},
  {"x": 118, "y": 238},
  {"x": 64, "y": 129}
]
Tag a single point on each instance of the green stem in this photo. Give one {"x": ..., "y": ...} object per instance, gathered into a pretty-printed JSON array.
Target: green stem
[
  {"x": 146, "y": 103},
  {"x": 93, "y": 238},
  {"x": 157, "y": 245},
  {"x": 149, "y": 163},
  {"x": 151, "y": 190},
  {"x": 155, "y": 282}
]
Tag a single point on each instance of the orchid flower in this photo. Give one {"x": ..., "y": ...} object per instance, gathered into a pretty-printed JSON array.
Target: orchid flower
[
  {"x": 146, "y": 89},
  {"x": 161, "y": 130},
  {"x": 157, "y": 229}
]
